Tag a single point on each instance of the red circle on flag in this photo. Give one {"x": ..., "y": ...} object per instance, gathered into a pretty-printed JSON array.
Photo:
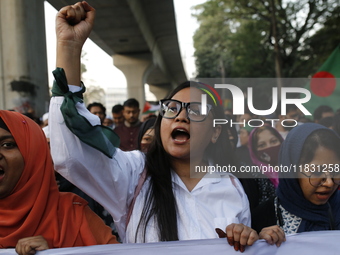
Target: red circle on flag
[{"x": 323, "y": 87}]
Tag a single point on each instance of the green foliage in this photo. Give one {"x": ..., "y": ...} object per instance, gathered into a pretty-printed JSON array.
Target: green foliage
[
  {"x": 322, "y": 43},
  {"x": 245, "y": 38},
  {"x": 249, "y": 54},
  {"x": 211, "y": 41}
]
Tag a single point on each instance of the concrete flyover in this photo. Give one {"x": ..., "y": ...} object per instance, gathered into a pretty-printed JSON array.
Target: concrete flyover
[{"x": 141, "y": 36}]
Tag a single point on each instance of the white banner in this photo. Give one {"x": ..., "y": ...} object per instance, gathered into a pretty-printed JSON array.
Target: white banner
[{"x": 320, "y": 242}]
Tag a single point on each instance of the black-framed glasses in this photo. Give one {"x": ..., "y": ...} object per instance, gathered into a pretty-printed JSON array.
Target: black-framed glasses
[
  {"x": 170, "y": 109},
  {"x": 318, "y": 178}
]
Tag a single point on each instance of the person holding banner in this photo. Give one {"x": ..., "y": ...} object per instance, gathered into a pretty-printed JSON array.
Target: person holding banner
[
  {"x": 151, "y": 197},
  {"x": 307, "y": 197},
  {"x": 34, "y": 215}
]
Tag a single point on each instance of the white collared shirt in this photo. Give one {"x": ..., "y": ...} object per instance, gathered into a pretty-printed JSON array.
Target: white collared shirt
[{"x": 216, "y": 201}]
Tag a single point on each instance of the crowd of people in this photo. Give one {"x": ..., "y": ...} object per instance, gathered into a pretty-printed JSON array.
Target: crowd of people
[{"x": 134, "y": 181}]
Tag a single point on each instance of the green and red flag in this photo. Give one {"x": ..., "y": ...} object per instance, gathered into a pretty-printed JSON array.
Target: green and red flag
[
  {"x": 325, "y": 84},
  {"x": 150, "y": 108}
]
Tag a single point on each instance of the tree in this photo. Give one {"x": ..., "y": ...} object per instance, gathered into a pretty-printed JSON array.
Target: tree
[
  {"x": 210, "y": 41},
  {"x": 250, "y": 56},
  {"x": 254, "y": 37},
  {"x": 322, "y": 43}
]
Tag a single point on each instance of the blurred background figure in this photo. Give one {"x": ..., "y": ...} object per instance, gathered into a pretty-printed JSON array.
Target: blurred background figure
[
  {"x": 146, "y": 134},
  {"x": 321, "y": 112},
  {"x": 242, "y": 152},
  {"x": 44, "y": 120},
  {"x": 292, "y": 113},
  {"x": 108, "y": 122},
  {"x": 245, "y": 118},
  {"x": 117, "y": 115},
  {"x": 231, "y": 129},
  {"x": 128, "y": 131},
  {"x": 336, "y": 123},
  {"x": 98, "y": 109},
  {"x": 264, "y": 148},
  {"x": 327, "y": 122},
  {"x": 264, "y": 145}
]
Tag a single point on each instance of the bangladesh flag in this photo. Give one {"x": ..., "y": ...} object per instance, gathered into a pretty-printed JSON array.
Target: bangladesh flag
[{"x": 325, "y": 84}]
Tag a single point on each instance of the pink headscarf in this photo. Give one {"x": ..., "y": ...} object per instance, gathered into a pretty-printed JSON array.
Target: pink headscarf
[{"x": 273, "y": 176}]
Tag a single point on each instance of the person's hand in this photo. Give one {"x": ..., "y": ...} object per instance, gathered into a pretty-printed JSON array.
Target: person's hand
[
  {"x": 30, "y": 245},
  {"x": 73, "y": 26},
  {"x": 273, "y": 235},
  {"x": 239, "y": 236},
  {"x": 74, "y": 23}
]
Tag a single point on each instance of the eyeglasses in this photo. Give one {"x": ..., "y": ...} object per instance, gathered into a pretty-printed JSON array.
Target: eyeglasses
[
  {"x": 170, "y": 109},
  {"x": 316, "y": 179}
]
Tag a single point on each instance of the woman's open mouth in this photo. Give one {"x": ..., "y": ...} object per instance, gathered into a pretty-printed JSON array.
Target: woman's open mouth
[
  {"x": 323, "y": 195},
  {"x": 180, "y": 135}
]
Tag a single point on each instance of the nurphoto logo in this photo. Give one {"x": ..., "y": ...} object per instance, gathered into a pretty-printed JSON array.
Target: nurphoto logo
[{"x": 238, "y": 100}]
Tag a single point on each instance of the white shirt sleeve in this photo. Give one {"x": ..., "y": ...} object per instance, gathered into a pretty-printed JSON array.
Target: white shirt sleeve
[{"x": 111, "y": 182}]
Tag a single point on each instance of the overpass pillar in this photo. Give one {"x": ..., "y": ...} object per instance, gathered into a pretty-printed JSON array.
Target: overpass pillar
[
  {"x": 158, "y": 91},
  {"x": 23, "y": 58},
  {"x": 134, "y": 67}
]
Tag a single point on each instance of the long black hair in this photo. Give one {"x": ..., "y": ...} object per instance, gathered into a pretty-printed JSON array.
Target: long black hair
[{"x": 160, "y": 201}]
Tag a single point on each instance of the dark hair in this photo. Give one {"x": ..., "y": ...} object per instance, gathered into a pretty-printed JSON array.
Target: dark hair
[
  {"x": 97, "y": 104},
  {"x": 259, "y": 130},
  {"x": 304, "y": 119},
  {"x": 149, "y": 123},
  {"x": 326, "y": 122},
  {"x": 289, "y": 108},
  {"x": 336, "y": 123},
  {"x": 232, "y": 132},
  {"x": 117, "y": 108},
  {"x": 317, "y": 114},
  {"x": 32, "y": 117},
  {"x": 131, "y": 102},
  {"x": 161, "y": 202},
  {"x": 229, "y": 115},
  {"x": 319, "y": 138},
  {"x": 3, "y": 125}
]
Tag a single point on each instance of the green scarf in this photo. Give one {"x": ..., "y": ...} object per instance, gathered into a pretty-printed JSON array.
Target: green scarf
[{"x": 99, "y": 137}]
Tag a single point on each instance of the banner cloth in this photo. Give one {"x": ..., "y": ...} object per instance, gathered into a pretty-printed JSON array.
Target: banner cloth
[{"x": 319, "y": 242}]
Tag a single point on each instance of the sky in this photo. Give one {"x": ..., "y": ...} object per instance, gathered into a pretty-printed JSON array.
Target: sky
[{"x": 106, "y": 74}]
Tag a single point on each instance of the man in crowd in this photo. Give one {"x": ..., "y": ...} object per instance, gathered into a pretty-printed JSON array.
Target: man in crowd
[
  {"x": 117, "y": 115},
  {"x": 128, "y": 131},
  {"x": 98, "y": 109},
  {"x": 321, "y": 112}
]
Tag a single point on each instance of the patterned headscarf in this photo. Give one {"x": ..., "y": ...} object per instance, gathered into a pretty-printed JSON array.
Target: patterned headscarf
[{"x": 314, "y": 217}]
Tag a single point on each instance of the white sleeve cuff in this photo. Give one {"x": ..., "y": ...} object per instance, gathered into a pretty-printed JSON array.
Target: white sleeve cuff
[{"x": 74, "y": 88}]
